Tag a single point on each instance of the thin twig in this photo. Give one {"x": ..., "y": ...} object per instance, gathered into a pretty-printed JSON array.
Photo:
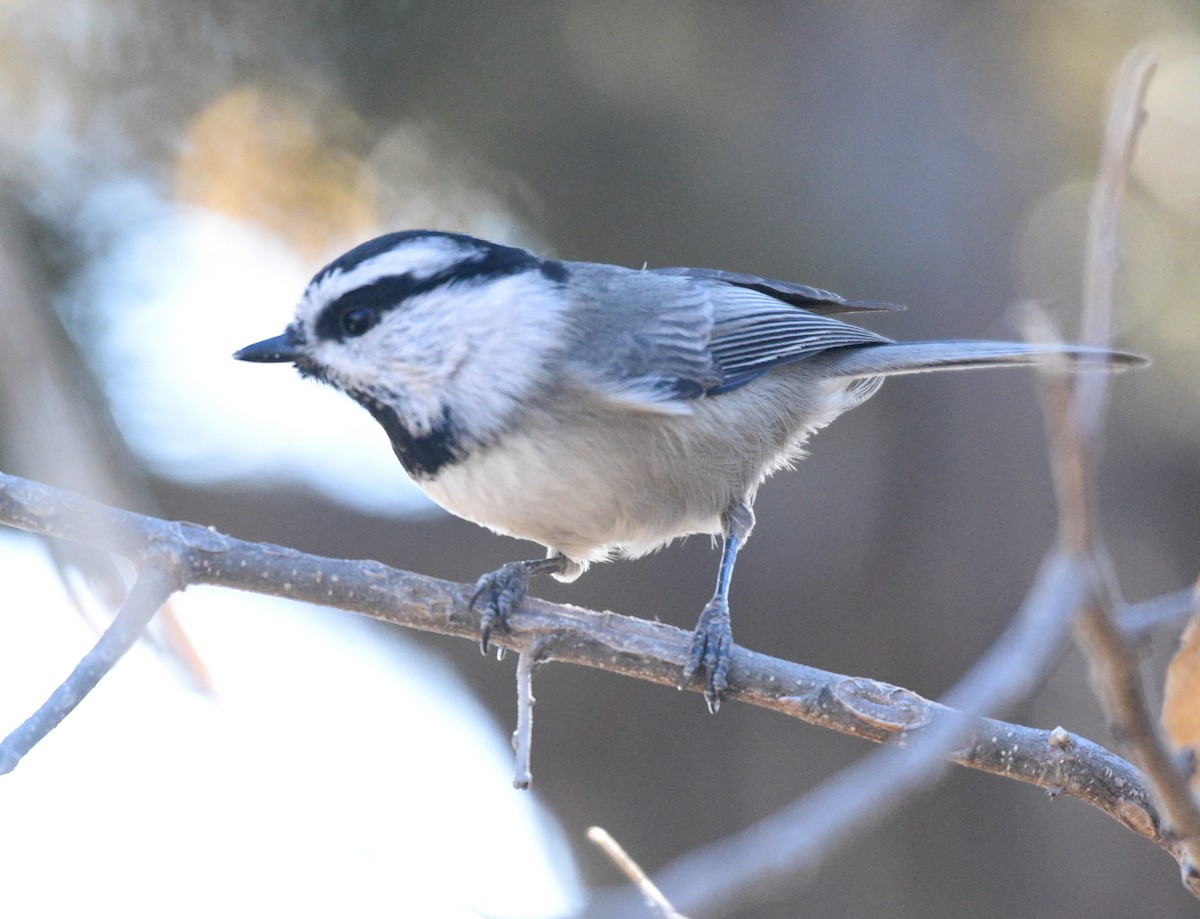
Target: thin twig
[
  {"x": 1117, "y": 682},
  {"x": 149, "y": 592},
  {"x": 1126, "y": 116},
  {"x": 632, "y": 870},
  {"x": 1074, "y": 419},
  {"x": 69, "y": 436},
  {"x": 527, "y": 660},
  {"x": 638, "y": 648},
  {"x": 1138, "y": 620}
]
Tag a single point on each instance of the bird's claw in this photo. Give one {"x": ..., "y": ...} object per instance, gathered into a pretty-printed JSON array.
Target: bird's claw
[
  {"x": 496, "y": 595},
  {"x": 712, "y": 649}
]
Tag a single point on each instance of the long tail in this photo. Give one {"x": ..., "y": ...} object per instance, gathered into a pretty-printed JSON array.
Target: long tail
[{"x": 894, "y": 358}]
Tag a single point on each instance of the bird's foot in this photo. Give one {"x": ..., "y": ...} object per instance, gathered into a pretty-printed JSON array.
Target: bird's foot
[
  {"x": 496, "y": 595},
  {"x": 712, "y": 649},
  {"x": 500, "y": 592}
]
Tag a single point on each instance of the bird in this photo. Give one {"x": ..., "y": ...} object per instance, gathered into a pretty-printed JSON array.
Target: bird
[{"x": 598, "y": 410}]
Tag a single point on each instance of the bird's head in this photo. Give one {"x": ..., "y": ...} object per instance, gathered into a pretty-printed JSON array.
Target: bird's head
[{"x": 439, "y": 335}]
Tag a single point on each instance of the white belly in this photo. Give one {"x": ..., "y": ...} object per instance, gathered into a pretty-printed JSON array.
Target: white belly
[
  {"x": 592, "y": 480},
  {"x": 582, "y": 505}
]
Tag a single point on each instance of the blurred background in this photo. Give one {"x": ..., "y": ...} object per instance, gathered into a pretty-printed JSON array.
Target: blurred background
[{"x": 171, "y": 175}]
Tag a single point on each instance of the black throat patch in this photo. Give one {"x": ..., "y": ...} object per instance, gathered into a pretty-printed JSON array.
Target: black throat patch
[{"x": 421, "y": 455}]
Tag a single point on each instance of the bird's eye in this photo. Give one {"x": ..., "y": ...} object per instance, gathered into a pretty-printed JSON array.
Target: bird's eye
[{"x": 357, "y": 321}]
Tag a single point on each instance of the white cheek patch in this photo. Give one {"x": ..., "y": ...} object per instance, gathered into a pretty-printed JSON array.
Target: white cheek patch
[
  {"x": 496, "y": 343},
  {"x": 472, "y": 349}
]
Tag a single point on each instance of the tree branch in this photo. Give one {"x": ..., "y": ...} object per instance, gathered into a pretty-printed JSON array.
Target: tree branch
[
  {"x": 530, "y": 657},
  {"x": 1173, "y": 609},
  {"x": 1074, "y": 415},
  {"x": 784, "y": 848},
  {"x": 645, "y": 650},
  {"x": 652, "y": 896},
  {"x": 149, "y": 592}
]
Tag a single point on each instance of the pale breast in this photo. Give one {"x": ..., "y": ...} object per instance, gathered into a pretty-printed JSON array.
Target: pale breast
[
  {"x": 591, "y": 479},
  {"x": 586, "y": 502}
]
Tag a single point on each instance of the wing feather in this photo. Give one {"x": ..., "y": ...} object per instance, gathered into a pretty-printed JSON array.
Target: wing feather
[
  {"x": 810, "y": 298},
  {"x": 654, "y": 355},
  {"x": 753, "y": 333},
  {"x": 685, "y": 333}
]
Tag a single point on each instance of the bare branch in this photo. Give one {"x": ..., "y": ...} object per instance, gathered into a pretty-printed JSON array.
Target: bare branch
[
  {"x": 1140, "y": 619},
  {"x": 779, "y": 852},
  {"x": 1073, "y": 415},
  {"x": 632, "y": 870},
  {"x": 149, "y": 592},
  {"x": 529, "y": 658},
  {"x": 1126, "y": 116},
  {"x": 68, "y": 435},
  {"x": 1115, "y": 678},
  {"x": 646, "y": 650}
]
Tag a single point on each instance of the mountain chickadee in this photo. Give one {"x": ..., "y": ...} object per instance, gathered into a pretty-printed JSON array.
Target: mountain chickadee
[{"x": 594, "y": 409}]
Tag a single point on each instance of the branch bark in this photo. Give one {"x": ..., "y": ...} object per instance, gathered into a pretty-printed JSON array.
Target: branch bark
[{"x": 637, "y": 648}]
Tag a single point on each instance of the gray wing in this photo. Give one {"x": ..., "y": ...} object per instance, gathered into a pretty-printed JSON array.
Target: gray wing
[
  {"x": 753, "y": 333},
  {"x": 679, "y": 336},
  {"x": 651, "y": 351},
  {"x": 801, "y": 295}
]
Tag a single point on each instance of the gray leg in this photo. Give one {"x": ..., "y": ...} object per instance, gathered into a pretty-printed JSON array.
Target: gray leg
[
  {"x": 499, "y": 592},
  {"x": 712, "y": 643}
]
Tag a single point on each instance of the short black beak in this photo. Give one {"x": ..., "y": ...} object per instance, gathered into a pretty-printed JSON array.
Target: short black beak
[{"x": 277, "y": 350}]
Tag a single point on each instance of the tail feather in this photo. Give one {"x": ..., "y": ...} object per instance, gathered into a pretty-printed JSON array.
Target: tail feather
[{"x": 895, "y": 358}]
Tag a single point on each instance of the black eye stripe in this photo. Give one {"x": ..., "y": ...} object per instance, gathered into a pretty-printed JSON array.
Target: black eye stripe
[
  {"x": 383, "y": 295},
  {"x": 388, "y": 293}
]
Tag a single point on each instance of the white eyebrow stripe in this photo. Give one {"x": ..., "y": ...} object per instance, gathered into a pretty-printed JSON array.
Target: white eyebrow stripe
[{"x": 417, "y": 259}]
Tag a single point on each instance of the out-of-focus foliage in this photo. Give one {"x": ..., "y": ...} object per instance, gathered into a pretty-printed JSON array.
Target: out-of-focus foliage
[
  {"x": 1181, "y": 696},
  {"x": 282, "y": 162}
]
